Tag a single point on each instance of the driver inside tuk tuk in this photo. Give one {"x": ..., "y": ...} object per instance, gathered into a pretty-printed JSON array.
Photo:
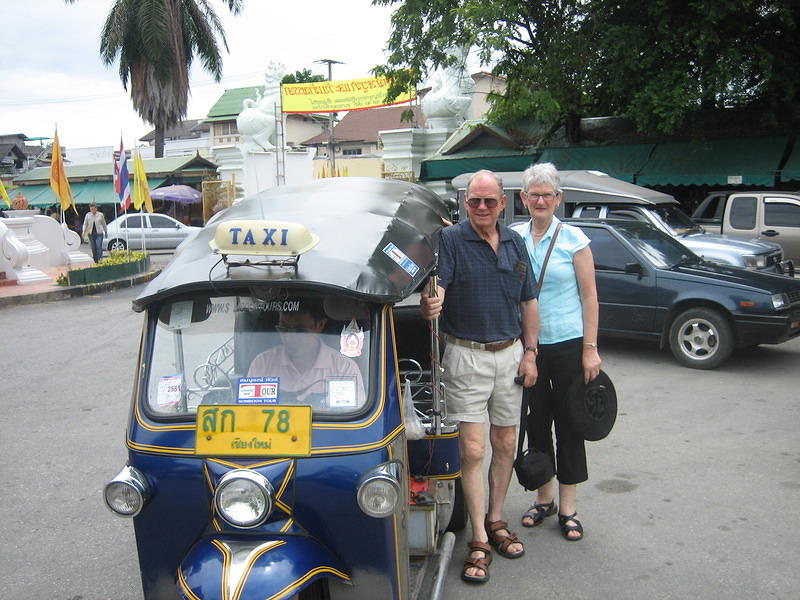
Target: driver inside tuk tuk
[{"x": 309, "y": 369}]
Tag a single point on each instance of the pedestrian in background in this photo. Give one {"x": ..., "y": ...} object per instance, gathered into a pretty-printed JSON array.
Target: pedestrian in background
[
  {"x": 487, "y": 298},
  {"x": 94, "y": 229},
  {"x": 568, "y": 311}
]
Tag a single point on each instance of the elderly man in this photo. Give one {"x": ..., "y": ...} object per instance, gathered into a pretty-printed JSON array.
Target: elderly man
[{"x": 487, "y": 298}]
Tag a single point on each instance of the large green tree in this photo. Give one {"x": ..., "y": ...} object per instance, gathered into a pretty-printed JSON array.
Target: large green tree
[
  {"x": 156, "y": 42},
  {"x": 660, "y": 62}
]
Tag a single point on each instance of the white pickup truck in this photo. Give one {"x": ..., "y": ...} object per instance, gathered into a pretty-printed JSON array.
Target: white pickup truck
[{"x": 766, "y": 215}]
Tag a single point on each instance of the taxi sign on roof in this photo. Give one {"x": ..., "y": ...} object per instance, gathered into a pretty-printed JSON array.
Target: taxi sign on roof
[{"x": 262, "y": 238}]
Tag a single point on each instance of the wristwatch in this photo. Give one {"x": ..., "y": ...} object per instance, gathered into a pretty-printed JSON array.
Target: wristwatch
[
  {"x": 590, "y": 344},
  {"x": 533, "y": 349}
]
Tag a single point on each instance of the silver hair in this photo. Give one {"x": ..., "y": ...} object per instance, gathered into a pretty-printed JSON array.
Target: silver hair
[
  {"x": 492, "y": 174},
  {"x": 541, "y": 174}
]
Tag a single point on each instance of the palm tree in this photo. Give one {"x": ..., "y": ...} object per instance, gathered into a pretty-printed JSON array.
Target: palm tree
[{"x": 156, "y": 41}]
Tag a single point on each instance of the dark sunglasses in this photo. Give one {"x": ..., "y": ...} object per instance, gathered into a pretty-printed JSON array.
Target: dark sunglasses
[{"x": 476, "y": 202}]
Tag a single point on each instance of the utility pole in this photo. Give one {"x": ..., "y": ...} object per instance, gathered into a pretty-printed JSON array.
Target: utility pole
[{"x": 331, "y": 147}]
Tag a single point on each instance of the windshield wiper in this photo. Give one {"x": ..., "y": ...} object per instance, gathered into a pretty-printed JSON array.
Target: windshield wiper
[{"x": 688, "y": 260}]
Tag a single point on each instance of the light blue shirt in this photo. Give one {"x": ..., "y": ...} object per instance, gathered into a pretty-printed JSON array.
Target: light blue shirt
[{"x": 560, "y": 308}]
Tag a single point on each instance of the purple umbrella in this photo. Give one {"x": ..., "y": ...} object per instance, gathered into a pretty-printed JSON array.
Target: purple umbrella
[{"x": 177, "y": 193}]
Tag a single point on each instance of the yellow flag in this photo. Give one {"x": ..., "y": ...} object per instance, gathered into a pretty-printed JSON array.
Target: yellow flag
[
  {"x": 141, "y": 191},
  {"x": 4, "y": 194},
  {"x": 58, "y": 178}
]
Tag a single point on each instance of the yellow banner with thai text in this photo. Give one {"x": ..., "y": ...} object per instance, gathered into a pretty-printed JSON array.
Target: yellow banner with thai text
[{"x": 332, "y": 96}]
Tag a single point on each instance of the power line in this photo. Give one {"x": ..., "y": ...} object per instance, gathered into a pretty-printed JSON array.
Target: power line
[{"x": 95, "y": 97}]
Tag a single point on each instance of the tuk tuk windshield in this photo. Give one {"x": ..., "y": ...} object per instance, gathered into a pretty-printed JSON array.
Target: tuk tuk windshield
[{"x": 277, "y": 348}]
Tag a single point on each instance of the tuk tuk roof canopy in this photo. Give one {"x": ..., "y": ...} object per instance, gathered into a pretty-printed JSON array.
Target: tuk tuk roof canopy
[{"x": 377, "y": 242}]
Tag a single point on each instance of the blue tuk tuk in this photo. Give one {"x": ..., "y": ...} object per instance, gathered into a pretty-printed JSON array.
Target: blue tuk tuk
[{"x": 281, "y": 369}]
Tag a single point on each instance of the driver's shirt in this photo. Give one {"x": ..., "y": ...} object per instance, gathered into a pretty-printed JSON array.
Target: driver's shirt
[{"x": 329, "y": 366}]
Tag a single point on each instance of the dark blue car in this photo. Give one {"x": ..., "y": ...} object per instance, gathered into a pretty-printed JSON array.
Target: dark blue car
[{"x": 651, "y": 286}]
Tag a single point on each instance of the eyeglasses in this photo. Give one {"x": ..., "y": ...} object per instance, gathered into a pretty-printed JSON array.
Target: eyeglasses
[
  {"x": 546, "y": 197},
  {"x": 476, "y": 202},
  {"x": 284, "y": 329}
]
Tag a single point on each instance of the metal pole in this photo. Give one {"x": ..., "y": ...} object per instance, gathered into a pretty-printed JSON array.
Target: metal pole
[
  {"x": 438, "y": 402},
  {"x": 331, "y": 146}
]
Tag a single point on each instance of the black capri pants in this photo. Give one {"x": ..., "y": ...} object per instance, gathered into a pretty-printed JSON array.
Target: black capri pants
[{"x": 558, "y": 365}]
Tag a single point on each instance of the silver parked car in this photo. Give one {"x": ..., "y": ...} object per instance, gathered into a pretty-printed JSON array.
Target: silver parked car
[{"x": 154, "y": 230}]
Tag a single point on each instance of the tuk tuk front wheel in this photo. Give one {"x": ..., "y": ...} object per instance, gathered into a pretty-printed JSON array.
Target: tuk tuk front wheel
[
  {"x": 316, "y": 591},
  {"x": 458, "y": 520}
]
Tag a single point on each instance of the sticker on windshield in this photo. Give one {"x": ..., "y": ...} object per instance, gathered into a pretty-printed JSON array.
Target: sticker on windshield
[
  {"x": 258, "y": 390},
  {"x": 342, "y": 392},
  {"x": 398, "y": 256},
  {"x": 169, "y": 390},
  {"x": 351, "y": 341},
  {"x": 180, "y": 314}
]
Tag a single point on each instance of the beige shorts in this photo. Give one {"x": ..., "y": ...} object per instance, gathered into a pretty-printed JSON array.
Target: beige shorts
[{"x": 477, "y": 381}]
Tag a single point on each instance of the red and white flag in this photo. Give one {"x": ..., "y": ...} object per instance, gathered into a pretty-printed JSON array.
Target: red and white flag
[{"x": 122, "y": 182}]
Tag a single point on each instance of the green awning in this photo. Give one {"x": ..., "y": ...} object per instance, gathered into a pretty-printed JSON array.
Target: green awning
[
  {"x": 102, "y": 192},
  {"x": 739, "y": 161},
  {"x": 791, "y": 170},
  {"x": 494, "y": 159},
  {"x": 622, "y": 162}
]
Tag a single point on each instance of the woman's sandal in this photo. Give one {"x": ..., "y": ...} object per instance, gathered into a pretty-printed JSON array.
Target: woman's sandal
[
  {"x": 481, "y": 563},
  {"x": 563, "y": 521},
  {"x": 538, "y": 512},
  {"x": 500, "y": 541}
]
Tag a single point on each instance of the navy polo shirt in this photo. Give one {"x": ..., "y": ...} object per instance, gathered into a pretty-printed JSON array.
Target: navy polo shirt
[{"x": 483, "y": 289}]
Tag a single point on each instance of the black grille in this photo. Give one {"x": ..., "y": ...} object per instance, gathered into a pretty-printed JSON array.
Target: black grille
[
  {"x": 774, "y": 258},
  {"x": 794, "y": 296}
]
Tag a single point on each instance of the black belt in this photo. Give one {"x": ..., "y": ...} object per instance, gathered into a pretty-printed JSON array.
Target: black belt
[{"x": 489, "y": 347}]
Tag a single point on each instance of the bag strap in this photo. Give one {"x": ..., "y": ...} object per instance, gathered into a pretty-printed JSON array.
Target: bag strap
[
  {"x": 547, "y": 258},
  {"x": 523, "y": 409},
  {"x": 523, "y": 421}
]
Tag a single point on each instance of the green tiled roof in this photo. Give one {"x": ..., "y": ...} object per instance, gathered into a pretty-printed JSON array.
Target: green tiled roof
[
  {"x": 229, "y": 104},
  {"x": 101, "y": 192}
]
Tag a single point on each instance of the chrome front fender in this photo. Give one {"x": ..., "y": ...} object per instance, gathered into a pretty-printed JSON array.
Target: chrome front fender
[{"x": 223, "y": 567}]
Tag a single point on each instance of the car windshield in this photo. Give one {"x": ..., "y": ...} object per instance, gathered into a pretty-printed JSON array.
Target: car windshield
[
  {"x": 678, "y": 222},
  {"x": 662, "y": 250},
  {"x": 277, "y": 348}
]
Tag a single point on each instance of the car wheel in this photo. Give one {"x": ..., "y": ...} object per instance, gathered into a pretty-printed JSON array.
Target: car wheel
[
  {"x": 117, "y": 245},
  {"x": 701, "y": 338}
]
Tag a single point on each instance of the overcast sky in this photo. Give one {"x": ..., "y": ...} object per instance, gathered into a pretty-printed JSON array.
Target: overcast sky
[{"x": 51, "y": 72}]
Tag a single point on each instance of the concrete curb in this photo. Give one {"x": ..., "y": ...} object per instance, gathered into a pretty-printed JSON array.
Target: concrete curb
[{"x": 76, "y": 291}]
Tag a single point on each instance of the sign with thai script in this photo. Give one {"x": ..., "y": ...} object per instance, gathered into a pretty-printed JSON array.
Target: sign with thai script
[
  {"x": 253, "y": 430},
  {"x": 333, "y": 96}
]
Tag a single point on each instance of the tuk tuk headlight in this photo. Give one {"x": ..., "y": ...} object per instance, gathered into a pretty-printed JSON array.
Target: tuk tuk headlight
[
  {"x": 127, "y": 493},
  {"x": 379, "y": 490},
  {"x": 244, "y": 498}
]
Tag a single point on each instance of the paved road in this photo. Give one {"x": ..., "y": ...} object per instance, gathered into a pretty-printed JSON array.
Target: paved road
[{"x": 694, "y": 494}]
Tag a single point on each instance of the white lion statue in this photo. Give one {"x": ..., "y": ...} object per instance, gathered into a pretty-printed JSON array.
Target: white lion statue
[
  {"x": 257, "y": 121},
  {"x": 447, "y": 102}
]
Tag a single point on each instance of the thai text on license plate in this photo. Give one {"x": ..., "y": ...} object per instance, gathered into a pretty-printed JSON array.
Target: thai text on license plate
[{"x": 253, "y": 430}]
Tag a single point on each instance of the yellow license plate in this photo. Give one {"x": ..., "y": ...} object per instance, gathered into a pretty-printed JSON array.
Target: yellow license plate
[{"x": 253, "y": 430}]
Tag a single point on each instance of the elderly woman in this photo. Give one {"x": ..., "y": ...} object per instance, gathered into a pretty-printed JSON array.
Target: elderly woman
[{"x": 567, "y": 342}]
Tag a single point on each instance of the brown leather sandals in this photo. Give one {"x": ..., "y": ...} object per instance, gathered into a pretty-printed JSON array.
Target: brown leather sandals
[
  {"x": 501, "y": 541},
  {"x": 480, "y": 562}
]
